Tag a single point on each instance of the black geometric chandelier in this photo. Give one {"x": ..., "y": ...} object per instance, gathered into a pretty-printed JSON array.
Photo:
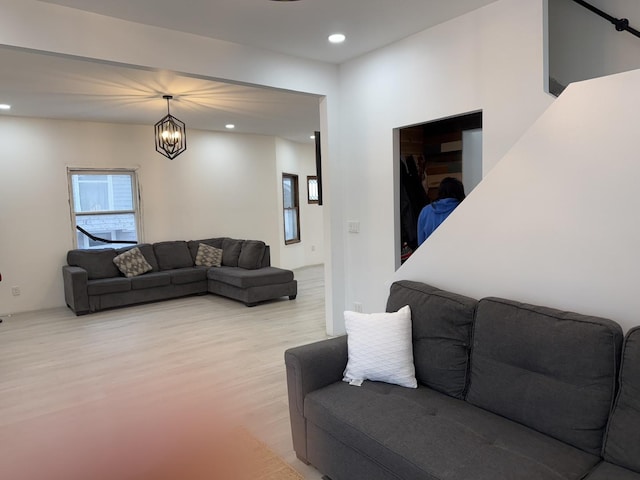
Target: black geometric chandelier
[{"x": 171, "y": 135}]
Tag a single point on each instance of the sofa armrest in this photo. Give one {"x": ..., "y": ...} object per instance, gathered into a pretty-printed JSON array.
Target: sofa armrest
[
  {"x": 309, "y": 368},
  {"x": 75, "y": 289}
]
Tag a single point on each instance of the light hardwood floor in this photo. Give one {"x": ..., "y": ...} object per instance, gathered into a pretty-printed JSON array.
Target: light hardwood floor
[{"x": 52, "y": 361}]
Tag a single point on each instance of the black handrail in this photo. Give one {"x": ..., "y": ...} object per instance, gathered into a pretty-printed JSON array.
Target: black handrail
[
  {"x": 621, "y": 24},
  {"x": 103, "y": 240}
]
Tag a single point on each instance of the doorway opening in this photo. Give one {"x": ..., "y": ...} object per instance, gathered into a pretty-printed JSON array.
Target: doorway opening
[{"x": 428, "y": 153}]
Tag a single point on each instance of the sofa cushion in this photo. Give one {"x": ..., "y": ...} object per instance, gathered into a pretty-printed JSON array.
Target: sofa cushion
[
  {"x": 441, "y": 324},
  {"x": 132, "y": 263},
  {"x": 98, "y": 263},
  {"x": 231, "y": 249},
  {"x": 108, "y": 285},
  {"x": 187, "y": 275},
  {"x": 553, "y": 371},
  {"x": 251, "y": 254},
  {"x": 171, "y": 255},
  {"x": 150, "y": 280},
  {"x": 622, "y": 443},
  {"x": 266, "y": 258},
  {"x": 212, "y": 242},
  {"x": 147, "y": 251},
  {"x": 243, "y": 278},
  {"x": 609, "y": 471},
  {"x": 421, "y": 433},
  {"x": 208, "y": 256},
  {"x": 379, "y": 348}
]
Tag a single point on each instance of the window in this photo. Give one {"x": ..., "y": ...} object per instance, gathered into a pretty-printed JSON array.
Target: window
[
  {"x": 105, "y": 204},
  {"x": 291, "y": 210},
  {"x": 312, "y": 190}
]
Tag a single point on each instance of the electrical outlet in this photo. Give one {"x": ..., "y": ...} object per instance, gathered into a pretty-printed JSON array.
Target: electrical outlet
[
  {"x": 357, "y": 307},
  {"x": 15, "y": 291}
]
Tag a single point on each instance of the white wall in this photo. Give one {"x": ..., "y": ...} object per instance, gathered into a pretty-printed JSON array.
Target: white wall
[
  {"x": 583, "y": 45},
  {"x": 489, "y": 60},
  {"x": 221, "y": 186},
  {"x": 299, "y": 159},
  {"x": 556, "y": 222}
]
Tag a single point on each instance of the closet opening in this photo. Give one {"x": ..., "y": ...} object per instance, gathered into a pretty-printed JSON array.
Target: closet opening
[{"x": 429, "y": 152}]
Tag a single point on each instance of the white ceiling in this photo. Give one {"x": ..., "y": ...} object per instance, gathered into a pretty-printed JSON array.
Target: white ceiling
[
  {"x": 50, "y": 86},
  {"x": 297, "y": 28}
]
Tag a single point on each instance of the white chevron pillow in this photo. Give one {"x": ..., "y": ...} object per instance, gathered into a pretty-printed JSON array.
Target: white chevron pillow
[{"x": 380, "y": 348}]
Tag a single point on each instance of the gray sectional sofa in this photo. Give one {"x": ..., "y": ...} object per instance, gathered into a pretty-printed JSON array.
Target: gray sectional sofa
[
  {"x": 506, "y": 391},
  {"x": 93, "y": 282}
]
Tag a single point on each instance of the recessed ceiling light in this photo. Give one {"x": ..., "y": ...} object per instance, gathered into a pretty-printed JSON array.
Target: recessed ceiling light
[
  {"x": 337, "y": 38},
  {"x": 230, "y": 126},
  {"x": 4, "y": 106},
  {"x": 312, "y": 137}
]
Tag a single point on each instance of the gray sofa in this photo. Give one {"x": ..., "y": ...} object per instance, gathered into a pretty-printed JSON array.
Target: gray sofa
[
  {"x": 92, "y": 282},
  {"x": 506, "y": 391}
]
